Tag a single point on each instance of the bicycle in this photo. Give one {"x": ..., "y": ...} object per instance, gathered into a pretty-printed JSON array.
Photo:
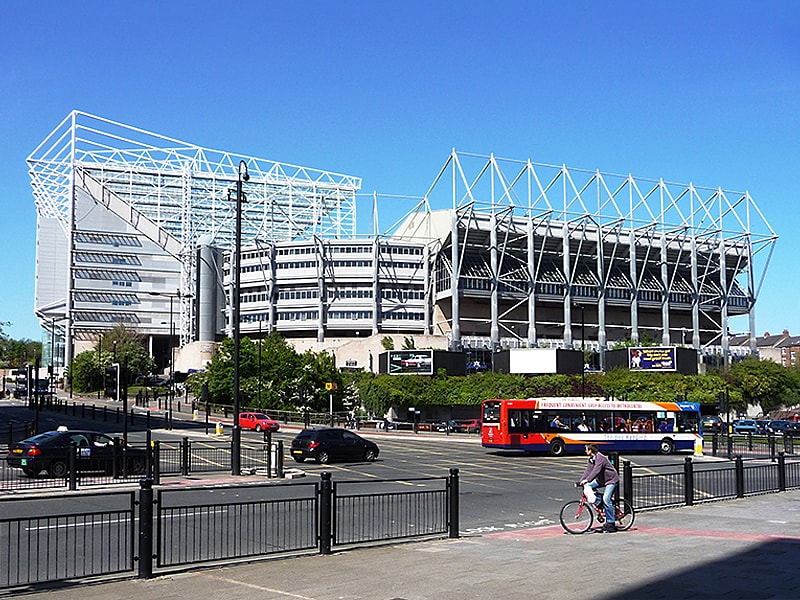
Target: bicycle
[{"x": 577, "y": 516}]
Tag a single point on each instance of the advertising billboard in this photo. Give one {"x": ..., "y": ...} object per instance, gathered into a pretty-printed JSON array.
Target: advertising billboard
[
  {"x": 655, "y": 358},
  {"x": 416, "y": 362}
]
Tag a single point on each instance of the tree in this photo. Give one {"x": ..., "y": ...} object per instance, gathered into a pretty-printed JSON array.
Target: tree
[{"x": 761, "y": 382}]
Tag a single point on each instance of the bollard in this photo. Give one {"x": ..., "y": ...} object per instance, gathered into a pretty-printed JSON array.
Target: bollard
[
  {"x": 219, "y": 428},
  {"x": 688, "y": 481},
  {"x": 325, "y": 513},
  {"x": 739, "y": 477},
  {"x": 452, "y": 488},
  {"x": 185, "y": 453},
  {"x": 145, "y": 528},
  {"x": 627, "y": 481}
]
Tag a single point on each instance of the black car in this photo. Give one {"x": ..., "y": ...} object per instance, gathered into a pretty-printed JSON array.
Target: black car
[
  {"x": 711, "y": 424},
  {"x": 330, "y": 443},
  {"x": 95, "y": 451}
]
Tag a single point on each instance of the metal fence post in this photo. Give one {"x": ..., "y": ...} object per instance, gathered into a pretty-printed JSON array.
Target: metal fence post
[
  {"x": 452, "y": 489},
  {"x": 116, "y": 459},
  {"x": 279, "y": 460},
  {"x": 688, "y": 481},
  {"x": 145, "y": 528},
  {"x": 185, "y": 456},
  {"x": 781, "y": 472},
  {"x": 325, "y": 513},
  {"x": 72, "y": 475},
  {"x": 157, "y": 462},
  {"x": 714, "y": 444},
  {"x": 739, "y": 477},
  {"x": 771, "y": 440},
  {"x": 730, "y": 446},
  {"x": 627, "y": 481}
]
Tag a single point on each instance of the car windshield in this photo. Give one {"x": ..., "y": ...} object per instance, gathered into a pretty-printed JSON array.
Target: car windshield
[{"x": 261, "y": 416}]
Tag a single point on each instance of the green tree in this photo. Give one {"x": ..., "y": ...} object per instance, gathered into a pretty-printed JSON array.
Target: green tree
[{"x": 762, "y": 382}]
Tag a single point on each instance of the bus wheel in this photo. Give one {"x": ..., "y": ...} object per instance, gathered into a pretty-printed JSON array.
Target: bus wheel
[
  {"x": 557, "y": 447},
  {"x": 667, "y": 446}
]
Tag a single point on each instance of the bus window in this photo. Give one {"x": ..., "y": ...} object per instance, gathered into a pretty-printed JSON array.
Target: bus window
[
  {"x": 514, "y": 420},
  {"x": 686, "y": 421},
  {"x": 491, "y": 412},
  {"x": 538, "y": 422}
]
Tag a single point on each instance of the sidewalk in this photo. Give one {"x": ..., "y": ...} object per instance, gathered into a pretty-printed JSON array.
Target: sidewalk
[{"x": 746, "y": 548}]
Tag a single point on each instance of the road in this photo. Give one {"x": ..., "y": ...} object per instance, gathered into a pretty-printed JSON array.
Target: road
[{"x": 499, "y": 491}]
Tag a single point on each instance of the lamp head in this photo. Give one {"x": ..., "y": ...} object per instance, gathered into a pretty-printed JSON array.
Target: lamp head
[{"x": 243, "y": 174}]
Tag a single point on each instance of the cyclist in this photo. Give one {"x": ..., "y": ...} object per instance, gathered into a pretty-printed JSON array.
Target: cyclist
[{"x": 599, "y": 473}]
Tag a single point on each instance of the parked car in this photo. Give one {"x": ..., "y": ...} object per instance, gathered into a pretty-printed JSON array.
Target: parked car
[
  {"x": 258, "y": 422},
  {"x": 445, "y": 426},
  {"x": 469, "y": 425},
  {"x": 782, "y": 427},
  {"x": 332, "y": 443},
  {"x": 49, "y": 452},
  {"x": 711, "y": 424},
  {"x": 745, "y": 426}
]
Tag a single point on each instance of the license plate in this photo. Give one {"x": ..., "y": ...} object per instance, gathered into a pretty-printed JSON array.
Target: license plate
[
  {"x": 297, "y": 451},
  {"x": 16, "y": 451}
]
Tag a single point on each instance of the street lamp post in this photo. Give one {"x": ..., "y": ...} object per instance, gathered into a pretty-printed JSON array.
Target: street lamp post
[{"x": 236, "y": 440}]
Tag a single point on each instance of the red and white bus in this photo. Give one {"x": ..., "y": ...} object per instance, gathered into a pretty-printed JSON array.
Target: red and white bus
[{"x": 562, "y": 425}]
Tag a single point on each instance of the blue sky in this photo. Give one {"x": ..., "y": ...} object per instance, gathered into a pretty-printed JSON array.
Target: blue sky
[{"x": 702, "y": 92}]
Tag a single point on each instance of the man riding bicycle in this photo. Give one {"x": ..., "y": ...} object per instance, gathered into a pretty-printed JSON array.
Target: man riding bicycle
[{"x": 601, "y": 473}]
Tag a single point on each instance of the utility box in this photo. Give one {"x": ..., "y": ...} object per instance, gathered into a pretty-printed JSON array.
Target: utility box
[{"x": 538, "y": 361}]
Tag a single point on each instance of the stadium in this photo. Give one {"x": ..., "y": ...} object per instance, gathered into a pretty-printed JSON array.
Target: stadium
[{"x": 141, "y": 229}]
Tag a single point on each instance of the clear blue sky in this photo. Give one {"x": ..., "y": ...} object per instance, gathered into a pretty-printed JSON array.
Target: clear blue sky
[{"x": 702, "y": 92}]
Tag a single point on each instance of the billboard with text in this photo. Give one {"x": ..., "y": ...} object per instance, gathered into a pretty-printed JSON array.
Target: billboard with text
[{"x": 652, "y": 358}]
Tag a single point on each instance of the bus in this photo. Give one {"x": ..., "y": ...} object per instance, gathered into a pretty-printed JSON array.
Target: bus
[{"x": 563, "y": 425}]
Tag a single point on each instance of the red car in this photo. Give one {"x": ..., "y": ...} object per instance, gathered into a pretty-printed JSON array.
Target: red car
[{"x": 258, "y": 421}]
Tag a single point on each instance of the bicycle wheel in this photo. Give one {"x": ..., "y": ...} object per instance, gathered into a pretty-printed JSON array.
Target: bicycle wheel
[
  {"x": 576, "y": 517},
  {"x": 625, "y": 515}
]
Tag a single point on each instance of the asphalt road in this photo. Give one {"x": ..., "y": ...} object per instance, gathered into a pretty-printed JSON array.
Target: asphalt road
[{"x": 499, "y": 491}]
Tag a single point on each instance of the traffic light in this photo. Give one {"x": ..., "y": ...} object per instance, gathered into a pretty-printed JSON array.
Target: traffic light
[
  {"x": 720, "y": 404},
  {"x": 111, "y": 381}
]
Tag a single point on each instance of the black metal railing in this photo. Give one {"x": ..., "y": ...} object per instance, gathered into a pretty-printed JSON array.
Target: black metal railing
[
  {"x": 369, "y": 516},
  {"x": 206, "y": 524},
  {"x": 752, "y": 445},
  {"x": 87, "y": 535},
  {"x": 74, "y": 538},
  {"x": 684, "y": 484},
  {"x": 152, "y": 460}
]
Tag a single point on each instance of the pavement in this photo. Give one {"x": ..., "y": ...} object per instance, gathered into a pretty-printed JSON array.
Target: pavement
[{"x": 746, "y": 548}]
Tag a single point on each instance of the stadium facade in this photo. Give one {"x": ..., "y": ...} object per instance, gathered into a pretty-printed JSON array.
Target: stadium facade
[{"x": 138, "y": 228}]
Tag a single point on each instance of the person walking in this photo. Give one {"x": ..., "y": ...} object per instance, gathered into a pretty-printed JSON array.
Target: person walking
[{"x": 601, "y": 473}]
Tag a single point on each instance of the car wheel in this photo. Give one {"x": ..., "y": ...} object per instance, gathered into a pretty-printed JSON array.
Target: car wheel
[
  {"x": 667, "y": 446},
  {"x": 323, "y": 458},
  {"x": 369, "y": 455},
  {"x": 58, "y": 468},
  {"x": 557, "y": 447},
  {"x": 258, "y": 428},
  {"x": 30, "y": 472}
]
